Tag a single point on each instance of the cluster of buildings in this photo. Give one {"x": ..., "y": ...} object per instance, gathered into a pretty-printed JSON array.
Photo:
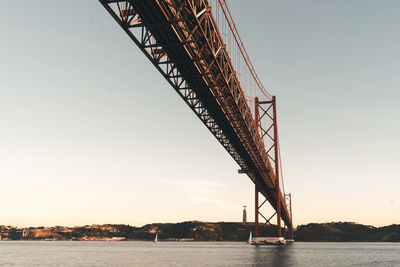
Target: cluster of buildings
[
  {"x": 10, "y": 232},
  {"x": 59, "y": 233}
]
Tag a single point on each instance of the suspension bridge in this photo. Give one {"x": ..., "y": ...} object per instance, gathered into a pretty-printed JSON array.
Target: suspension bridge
[{"x": 196, "y": 46}]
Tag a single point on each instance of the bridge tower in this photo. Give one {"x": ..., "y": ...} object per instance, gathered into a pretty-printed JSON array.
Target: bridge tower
[{"x": 267, "y": 110}]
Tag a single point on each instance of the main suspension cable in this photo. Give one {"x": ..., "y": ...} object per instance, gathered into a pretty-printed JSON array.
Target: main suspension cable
[{"x": 242, "y": 49}]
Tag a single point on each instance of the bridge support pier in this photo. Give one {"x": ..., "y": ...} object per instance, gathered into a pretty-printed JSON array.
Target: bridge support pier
[{"x": 256, "y": 212}]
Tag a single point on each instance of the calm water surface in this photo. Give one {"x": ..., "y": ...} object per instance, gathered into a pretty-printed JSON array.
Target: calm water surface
[{"x": 70, "y": 253}]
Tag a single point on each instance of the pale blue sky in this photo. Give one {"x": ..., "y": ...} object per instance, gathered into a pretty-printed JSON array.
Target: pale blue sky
[{"x": 91, "y": 133}]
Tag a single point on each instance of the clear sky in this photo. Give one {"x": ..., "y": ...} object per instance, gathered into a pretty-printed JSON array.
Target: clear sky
[{"x": 91, "y": 133}]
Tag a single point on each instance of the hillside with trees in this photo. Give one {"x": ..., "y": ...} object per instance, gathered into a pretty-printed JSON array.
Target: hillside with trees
[
  {"x": 347, "y": 232},
  {"x": 204, "y": 231}
]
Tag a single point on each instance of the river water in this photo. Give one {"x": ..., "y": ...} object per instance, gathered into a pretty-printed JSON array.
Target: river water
[{"x": 80, "y": 253}]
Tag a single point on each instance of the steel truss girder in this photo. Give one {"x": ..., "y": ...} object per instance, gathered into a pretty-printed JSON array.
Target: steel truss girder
[
  {"x": 155, "y": 52},
  {"x": 196, "y": 64}
]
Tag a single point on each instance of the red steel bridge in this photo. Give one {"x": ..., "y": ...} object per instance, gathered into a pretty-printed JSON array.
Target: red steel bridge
[{"x": 195, "y": 45}]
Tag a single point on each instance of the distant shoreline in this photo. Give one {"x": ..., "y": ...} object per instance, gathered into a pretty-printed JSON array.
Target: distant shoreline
[
  {"x": 195, "y": 231},
  {"x": 162, "y": 241}
]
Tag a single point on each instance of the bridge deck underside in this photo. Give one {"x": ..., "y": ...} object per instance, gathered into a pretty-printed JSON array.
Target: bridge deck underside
[{"x": 182, "y": 41}]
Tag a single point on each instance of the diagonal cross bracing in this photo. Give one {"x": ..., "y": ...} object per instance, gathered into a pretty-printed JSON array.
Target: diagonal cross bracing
[{"x": 182, "y": 40}]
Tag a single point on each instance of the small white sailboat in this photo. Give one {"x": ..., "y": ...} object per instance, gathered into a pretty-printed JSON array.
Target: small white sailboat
[
  {"x": 250, "y": 238},
  {"x": 156, "y": 238}
]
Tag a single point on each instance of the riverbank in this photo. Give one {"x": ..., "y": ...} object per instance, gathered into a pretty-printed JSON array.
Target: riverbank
[{"x": 202, "y": 231}]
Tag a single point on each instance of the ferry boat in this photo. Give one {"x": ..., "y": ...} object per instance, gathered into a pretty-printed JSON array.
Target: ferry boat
[{"x": 268, "y": 241}]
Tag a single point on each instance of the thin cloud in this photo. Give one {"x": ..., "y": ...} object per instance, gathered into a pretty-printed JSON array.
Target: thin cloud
[
  {"x": 208, "y": 183},
  {"x": 219, "y": 203},
  {"x": 191, "y": 182},
  {"x": 173, "y": 181},
  {"x": 210, "y": 200},
  {"x": 379, "y": 120},
  {"x": 393, "y": 147}
]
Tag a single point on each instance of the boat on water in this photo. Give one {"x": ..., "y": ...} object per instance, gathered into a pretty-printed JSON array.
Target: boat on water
[
  {"x": 270, "y": 241},
  {"x": 250, "y": 238},
  {"x": 156, "y": 238}
]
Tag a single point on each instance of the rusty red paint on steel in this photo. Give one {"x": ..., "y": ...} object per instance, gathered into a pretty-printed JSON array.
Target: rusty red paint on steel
[
  {"x": 256, "y": 120},
  {"x": 278, "y": 191},
  {"x": 185, "y": 45}
]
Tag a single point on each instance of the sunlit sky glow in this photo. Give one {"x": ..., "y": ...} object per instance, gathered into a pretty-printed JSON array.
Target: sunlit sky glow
[{"x": 91, "y": 133}]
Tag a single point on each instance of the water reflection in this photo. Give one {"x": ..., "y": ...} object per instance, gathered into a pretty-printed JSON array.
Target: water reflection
[
  {"x": 273, "y": 255},
  {"x": 91, "y": 253}
]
